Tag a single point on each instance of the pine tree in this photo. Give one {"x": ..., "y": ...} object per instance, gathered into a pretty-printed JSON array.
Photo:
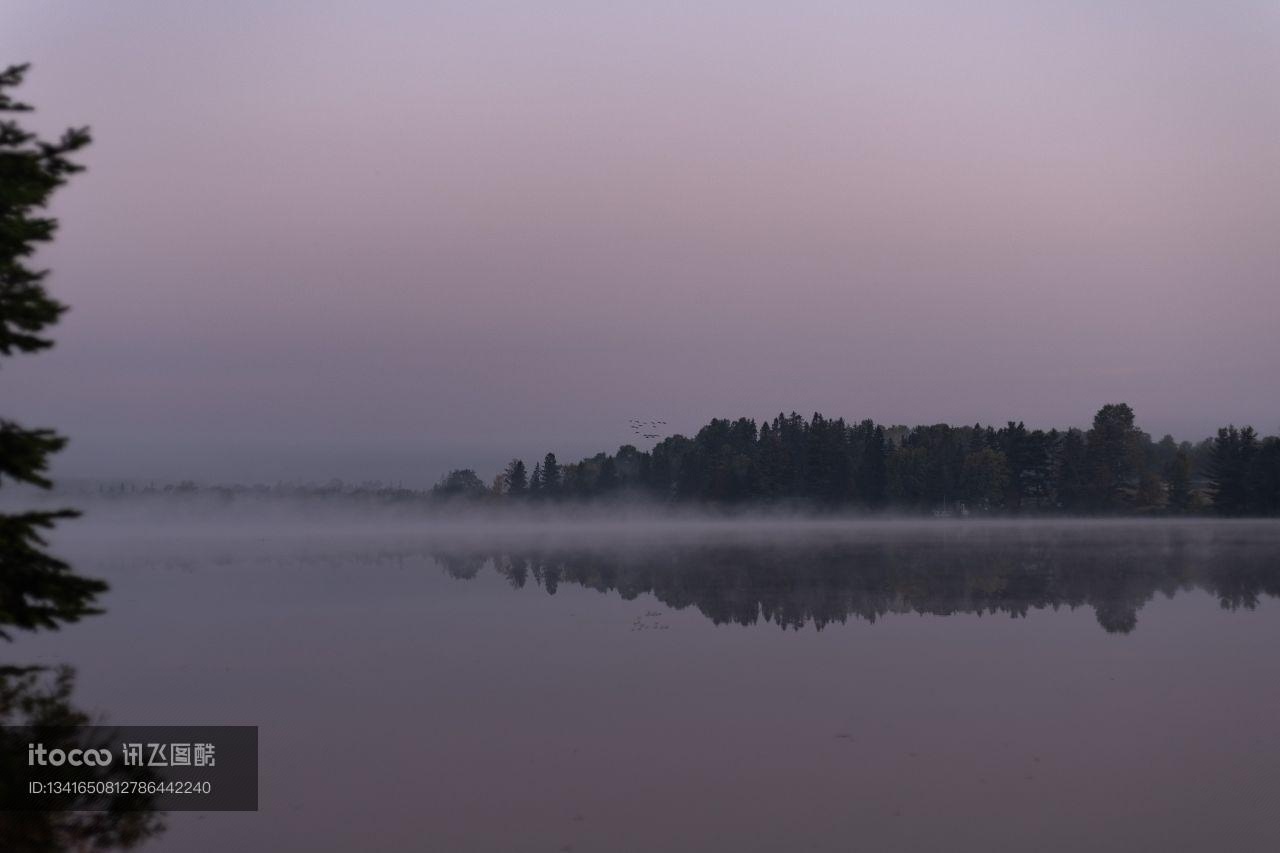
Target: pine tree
[
  {"x": 607, "y": 481},
  {"x": 515, "y": 479},
  {"x": 550, "y": 475},
  {"x": 1267, "y": 477},
  {"x": 36, "y": 590},
  {"x": 1178, "y": 474},
  {"x": 1071, "y": 470},
  {"x": 873, "y": 477},
  {"x": 1231, "y": 472}
]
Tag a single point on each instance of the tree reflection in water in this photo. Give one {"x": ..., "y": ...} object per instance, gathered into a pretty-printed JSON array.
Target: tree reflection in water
[
  {"x": 40, "y": 697},
  {"x": 796, "y": 582}
]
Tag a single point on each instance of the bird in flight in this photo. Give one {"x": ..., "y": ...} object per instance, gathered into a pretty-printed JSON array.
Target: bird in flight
[{"x": 646, "y": 428}]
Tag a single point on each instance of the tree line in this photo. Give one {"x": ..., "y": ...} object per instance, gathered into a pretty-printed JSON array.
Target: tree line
[{"x": 820, "y": 463}]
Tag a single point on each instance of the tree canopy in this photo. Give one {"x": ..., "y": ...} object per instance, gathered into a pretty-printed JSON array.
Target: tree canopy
[{"x": 823, "y": 463}]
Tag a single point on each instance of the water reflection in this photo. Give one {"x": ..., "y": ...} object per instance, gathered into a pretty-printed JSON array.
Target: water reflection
[
  {"x": 41, "y": 698},
  {"x": 898, "y": 739},
  {"x": 798, "y": 582}
]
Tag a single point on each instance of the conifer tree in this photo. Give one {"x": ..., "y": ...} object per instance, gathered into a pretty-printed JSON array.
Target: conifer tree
[
  {"x": 551, "y": 474},
  {"x": 515, "y": 478},
  {"x": 37, "y": 590},
  {"x": 1231, "y": 472},
  {"x": 1179, "y": 477}
]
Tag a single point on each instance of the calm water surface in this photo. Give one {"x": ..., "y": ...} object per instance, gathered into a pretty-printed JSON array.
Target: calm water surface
[{"x": 947, "y": 686}]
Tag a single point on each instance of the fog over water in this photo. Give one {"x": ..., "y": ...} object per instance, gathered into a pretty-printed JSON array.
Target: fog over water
[{"x": 700, "y": 684}]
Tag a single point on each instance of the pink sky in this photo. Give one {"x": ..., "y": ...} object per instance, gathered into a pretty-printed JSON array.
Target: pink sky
[{"x": 371, "y": 239}]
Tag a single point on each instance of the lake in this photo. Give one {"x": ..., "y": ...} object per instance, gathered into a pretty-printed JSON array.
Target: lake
[{"x": 713, "y": 686}]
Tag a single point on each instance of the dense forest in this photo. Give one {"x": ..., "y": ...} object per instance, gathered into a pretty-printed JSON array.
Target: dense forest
[{"x": 819, "y": 463}]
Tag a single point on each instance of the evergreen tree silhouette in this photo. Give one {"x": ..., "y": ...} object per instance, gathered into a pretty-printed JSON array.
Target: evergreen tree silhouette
[{"x": 37, "y": 590}]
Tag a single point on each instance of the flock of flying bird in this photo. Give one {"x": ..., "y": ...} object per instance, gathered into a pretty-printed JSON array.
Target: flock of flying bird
[{"x": 645, "y": 429}]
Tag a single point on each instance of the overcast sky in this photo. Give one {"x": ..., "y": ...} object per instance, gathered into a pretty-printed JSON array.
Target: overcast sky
[{"x": 380, "y": 239}]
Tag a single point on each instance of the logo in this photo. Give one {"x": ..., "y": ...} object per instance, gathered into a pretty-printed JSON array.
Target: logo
[{"x": 37, "y": 754}]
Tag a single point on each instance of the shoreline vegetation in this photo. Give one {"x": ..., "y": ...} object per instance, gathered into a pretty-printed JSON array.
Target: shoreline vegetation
[{"x": 833, "y": 467}]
